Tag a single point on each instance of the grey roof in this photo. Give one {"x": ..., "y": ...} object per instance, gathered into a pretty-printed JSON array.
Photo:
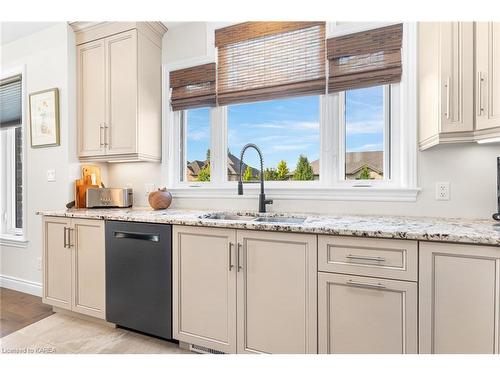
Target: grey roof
[{"x": 355, "y": 161}]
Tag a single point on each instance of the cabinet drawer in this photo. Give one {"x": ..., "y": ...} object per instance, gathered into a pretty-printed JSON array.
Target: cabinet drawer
[{"x": 391, "y": 259}]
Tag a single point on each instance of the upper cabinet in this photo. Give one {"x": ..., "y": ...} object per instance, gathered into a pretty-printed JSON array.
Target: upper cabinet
[
  {"x": 119, "y": 90},
  {"x": 488, "y": 75},
  {"x": 456, "y": 101}
]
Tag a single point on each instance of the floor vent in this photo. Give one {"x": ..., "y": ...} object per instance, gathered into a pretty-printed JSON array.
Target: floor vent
[{"x": 203, "y": 350}]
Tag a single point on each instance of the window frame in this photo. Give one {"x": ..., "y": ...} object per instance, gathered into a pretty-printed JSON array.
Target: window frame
[
  {"x": 401, "y": 186},
  {"x": 9, "y": 234}
]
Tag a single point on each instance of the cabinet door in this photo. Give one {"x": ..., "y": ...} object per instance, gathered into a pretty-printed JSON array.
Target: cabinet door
[
  {"x": 362, "y": 315},
  {"x": 277, "y": 276},
  {"x": 56, "y": 262},
  {"x": 488, "y": 75},
  {"x": 457, "y": 76},
  {"x": 459, "y": 298},
  {"x": 204, "y": 287},
  {"x": 121, "y": 63},
  {"x": 89, "y": 284},
  {"x": 91, "y": 98}
]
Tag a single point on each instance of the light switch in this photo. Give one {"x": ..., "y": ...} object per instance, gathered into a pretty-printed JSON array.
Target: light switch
[{"x": 51, "y": 175}]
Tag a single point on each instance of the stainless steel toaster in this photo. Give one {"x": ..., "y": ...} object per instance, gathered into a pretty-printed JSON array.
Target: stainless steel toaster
[{"x": 109, "y": 197}]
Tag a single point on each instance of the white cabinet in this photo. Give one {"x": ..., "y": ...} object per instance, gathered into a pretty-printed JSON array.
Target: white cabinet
[
  {"x": 119, "y": 91},
  {"x": 204, "y": 293},
  {"x": 74, "y": 265},
  {"x": 245, "y": 291},
  {"x": 488, "y": 75},
  {"x": 459, "y": 298},
  {"x": 277, "y": 308},
  {"x": 363, "y": 315},
  {"x": 459, "y": 88},
  {"x": 360, "y": 309},
  {"x": 446, "y": 82}
]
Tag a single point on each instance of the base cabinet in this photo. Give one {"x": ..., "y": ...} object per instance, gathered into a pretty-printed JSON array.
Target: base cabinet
[
  {"x": 74, "y": 265},
  {"x": 204, "y": 287},
  {"x": 364, "y": 315},
  {"x": 459, "y": 299},
  {"x": 245, "y": 291}
]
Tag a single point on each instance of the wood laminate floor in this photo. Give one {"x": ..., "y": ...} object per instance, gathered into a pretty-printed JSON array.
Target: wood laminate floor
[{"x": 18, "y": 310}]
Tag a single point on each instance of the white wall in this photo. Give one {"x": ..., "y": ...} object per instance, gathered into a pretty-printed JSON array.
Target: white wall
[
  {"x": 470, "y": 168},
  {"x": 49, "y": 57}
]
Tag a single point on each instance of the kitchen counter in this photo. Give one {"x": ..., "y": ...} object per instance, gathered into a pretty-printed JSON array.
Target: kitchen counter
[{"x": 486, "y": 232}]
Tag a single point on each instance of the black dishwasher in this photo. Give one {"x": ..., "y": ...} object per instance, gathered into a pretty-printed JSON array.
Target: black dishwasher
[{"x": 139, "y": 277}]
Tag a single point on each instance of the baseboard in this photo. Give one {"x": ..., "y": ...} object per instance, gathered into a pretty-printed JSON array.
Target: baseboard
[{"x": 21, "y": 285}]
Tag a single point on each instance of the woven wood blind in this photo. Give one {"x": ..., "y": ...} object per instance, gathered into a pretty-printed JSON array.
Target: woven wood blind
[
  {"x": 365, "y": 59},
  {"x": 269, "y": 60},
  {"x": 193, "y": 87}
]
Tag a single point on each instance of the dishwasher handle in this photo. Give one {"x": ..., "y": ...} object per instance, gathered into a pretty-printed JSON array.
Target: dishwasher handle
[{"x": 137, "y": 236}]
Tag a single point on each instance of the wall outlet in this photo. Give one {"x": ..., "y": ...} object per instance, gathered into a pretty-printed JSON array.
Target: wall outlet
[
  {"x": 442, "y": 191},
  {"x": 149, "y": 188},
  {"x": 51, "y": 175},
  {"x": 39, "y": 264}
]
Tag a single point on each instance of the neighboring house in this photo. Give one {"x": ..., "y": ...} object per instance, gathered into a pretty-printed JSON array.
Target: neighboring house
[
  {"x": 356, "y": 161},
  {"x": 233, "y": 168}
]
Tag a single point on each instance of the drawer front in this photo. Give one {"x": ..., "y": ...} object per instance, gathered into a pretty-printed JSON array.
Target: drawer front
[{"x": 391, "y": 259}]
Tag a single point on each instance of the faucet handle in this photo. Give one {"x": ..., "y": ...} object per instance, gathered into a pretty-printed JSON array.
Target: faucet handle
[{"x": 268, "y": 201}]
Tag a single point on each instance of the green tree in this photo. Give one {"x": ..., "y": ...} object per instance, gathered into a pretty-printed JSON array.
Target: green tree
[
  {"x": 270, "y": 174},
  {"x": 204, "y": 174},
  {"x": 282, "y": 171},
  {"x": 365, "y": 174},
  {"x": 303, "y": 171},
  {"x": 247, "y": 175}
]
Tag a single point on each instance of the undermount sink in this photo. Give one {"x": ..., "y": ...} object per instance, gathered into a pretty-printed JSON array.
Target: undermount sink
[
  {"x": 224, "y": 216},
  {"x": 261, "y": 219},
  {"x": 277, "y": 219}
]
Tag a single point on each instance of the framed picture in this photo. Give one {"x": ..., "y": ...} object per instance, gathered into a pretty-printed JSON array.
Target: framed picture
[{"x": 44, "y": 118}]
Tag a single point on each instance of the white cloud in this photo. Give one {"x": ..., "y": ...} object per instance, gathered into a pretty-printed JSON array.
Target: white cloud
[
  {"x": 368, "y": 147},
  {"x": 364, "y": 127},
  {"x": 291, "y": 147},
  {"x": 197, "y": 135}
]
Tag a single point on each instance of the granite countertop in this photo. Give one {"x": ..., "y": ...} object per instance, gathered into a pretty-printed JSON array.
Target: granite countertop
[{"x": 486, "y": 232}]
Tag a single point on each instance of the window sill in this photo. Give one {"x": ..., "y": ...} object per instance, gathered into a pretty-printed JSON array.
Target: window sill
[
  {"x": 10, "y": 240},
  {"x": 381, "y": 194}
]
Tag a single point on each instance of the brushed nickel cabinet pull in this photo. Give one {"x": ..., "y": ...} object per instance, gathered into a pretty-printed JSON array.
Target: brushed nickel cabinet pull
[
  {"x": 365, "y": 285},
  {"x": 101, "y": 129},
  {"x": 480, "y": 80},
  {"x": 448, "y": 104},
  {"x": 363, "y": 257},
  {"x": 70, "y": 245},
  {"x": 239, "y": 257},
  {"x": 106, "y": 135},
  {"x": 65, "y": 237},
  {"x": 230, "y": 256}
]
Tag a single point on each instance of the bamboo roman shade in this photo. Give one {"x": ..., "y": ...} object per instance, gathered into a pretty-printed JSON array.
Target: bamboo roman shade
[
  {"x": 193, "y": 87},
  {"x": 364, "y": 59},
  {"x": 269, "y": 60},
  {"x": 10, "y": 102}
]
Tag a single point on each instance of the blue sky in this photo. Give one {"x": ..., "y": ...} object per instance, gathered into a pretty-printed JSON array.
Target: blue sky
[{"x": 286, "y": 128}]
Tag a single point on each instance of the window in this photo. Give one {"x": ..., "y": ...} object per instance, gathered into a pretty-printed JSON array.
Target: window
[
  {"x": 286, "y": 131},
  {"x": 367, "y": 129},
  {"x": 195, "y": 145},
  {"x": 355, "y": 141},
  {"x": 11, "y": 157}
]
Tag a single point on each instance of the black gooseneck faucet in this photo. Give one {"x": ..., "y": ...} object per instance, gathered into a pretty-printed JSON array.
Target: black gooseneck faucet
[{"x": 262, "y": 197}]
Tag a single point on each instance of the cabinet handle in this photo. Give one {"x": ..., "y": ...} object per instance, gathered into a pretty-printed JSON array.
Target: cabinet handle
[
  {"x": 365, "y": 285},
  {"x": 70, "y": 245},
  {"x": 448, "y": 104},
  {"x": 106, "y": 135},
  {"x": 101, "y": 128},
  {"x": 230, "y": 256},
  {"x": 238, "y": 260},
  {"x": 65, "y": 237},
  {"x": 480, "y": 80},
  {"x": 362, "y": 257}
]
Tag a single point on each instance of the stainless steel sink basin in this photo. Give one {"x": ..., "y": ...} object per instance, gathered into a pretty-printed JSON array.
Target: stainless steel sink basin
[
  {"x": 225, "y": 216},
  {"x": 284, "y": 220},
  {"x": 260, "y": 219}
]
